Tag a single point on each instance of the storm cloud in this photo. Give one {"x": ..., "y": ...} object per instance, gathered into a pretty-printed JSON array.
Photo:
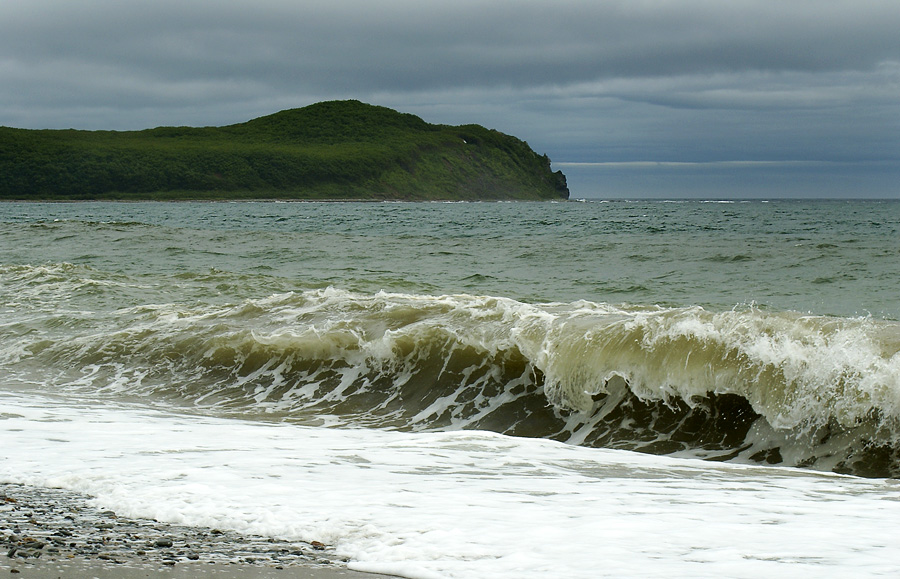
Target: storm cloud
[{"x": 804, "y": 89}]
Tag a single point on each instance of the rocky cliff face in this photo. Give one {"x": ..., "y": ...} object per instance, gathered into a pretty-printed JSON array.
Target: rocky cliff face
[{"x": 562, "y": 187}]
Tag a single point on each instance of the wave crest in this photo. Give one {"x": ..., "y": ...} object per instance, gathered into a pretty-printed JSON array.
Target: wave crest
[{"x": 777, "y": 387}]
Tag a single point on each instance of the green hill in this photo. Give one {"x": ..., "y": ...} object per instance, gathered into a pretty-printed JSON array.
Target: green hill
[{"x": 330, "y": 150}]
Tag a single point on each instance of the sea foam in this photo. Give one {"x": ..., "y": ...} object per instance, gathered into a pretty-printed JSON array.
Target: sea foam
[
  {"x": 456, "y": 504},
  {"x": 748, "y": 384}
]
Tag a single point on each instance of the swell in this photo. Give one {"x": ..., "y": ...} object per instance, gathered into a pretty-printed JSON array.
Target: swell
[{"x": 745, "y": 384}]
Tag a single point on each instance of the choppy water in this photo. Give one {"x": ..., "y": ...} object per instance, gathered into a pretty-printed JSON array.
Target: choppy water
[{"x": 761, "y": 333}]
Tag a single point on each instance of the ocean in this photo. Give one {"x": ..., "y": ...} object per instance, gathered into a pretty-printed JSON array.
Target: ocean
[{"x": 468, "y": 390}]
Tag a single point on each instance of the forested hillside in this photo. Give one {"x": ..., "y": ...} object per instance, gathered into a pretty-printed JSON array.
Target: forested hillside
[{"x": 330, "y": 150}]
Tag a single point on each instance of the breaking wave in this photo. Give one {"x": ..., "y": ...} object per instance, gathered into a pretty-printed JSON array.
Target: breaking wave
[{"x": 746, "y": 384}]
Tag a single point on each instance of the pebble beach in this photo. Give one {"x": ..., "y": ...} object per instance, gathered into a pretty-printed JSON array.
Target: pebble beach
[{"x": 49, "y": 533}]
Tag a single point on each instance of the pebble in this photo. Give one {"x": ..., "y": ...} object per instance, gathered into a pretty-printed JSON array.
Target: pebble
[{"x": 54, "y": 524}]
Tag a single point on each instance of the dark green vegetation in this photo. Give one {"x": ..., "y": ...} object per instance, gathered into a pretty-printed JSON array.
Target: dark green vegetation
[{"x": 330, "y": 150}]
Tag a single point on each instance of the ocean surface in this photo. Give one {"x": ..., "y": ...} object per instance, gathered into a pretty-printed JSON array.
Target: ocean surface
[{"x": 468, "y": 390}]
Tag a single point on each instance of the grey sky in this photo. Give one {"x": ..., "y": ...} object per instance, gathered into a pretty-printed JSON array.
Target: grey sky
[{"x": 658, "y": 98}]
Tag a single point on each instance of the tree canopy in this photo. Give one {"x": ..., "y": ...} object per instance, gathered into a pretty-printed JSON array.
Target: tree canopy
[{"x": 329, "y": 150}]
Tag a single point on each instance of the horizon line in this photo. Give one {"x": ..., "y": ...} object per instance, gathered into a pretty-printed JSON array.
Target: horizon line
[{"x": 731, "y": 163}]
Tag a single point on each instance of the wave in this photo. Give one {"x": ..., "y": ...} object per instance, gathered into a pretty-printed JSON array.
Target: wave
[{"x": 746, "y": 384}]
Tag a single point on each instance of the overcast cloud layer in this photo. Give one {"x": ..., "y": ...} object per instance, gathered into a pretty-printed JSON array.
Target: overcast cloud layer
[{"x": 656, "y": 98}]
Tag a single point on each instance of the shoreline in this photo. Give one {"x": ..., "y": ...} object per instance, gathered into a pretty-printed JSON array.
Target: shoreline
[
  {"x": 51, "y": 533},
  {"x": 284, "y": 200}
]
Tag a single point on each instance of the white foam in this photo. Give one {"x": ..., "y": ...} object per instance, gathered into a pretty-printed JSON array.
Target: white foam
[{"x": 462, "y": 504}]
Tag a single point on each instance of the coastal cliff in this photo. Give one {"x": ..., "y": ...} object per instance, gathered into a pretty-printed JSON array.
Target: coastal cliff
[{"x": 330, "y": 150}]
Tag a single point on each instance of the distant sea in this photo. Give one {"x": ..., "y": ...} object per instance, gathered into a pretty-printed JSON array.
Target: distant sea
[{"x": 574, "y": 389}]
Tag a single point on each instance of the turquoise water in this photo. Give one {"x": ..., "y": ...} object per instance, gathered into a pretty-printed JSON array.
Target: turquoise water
[{"x": 760, "y": 332}]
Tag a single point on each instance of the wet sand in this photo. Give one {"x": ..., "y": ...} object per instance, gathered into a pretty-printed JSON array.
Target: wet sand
[{"x": 86, "y": 569}]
